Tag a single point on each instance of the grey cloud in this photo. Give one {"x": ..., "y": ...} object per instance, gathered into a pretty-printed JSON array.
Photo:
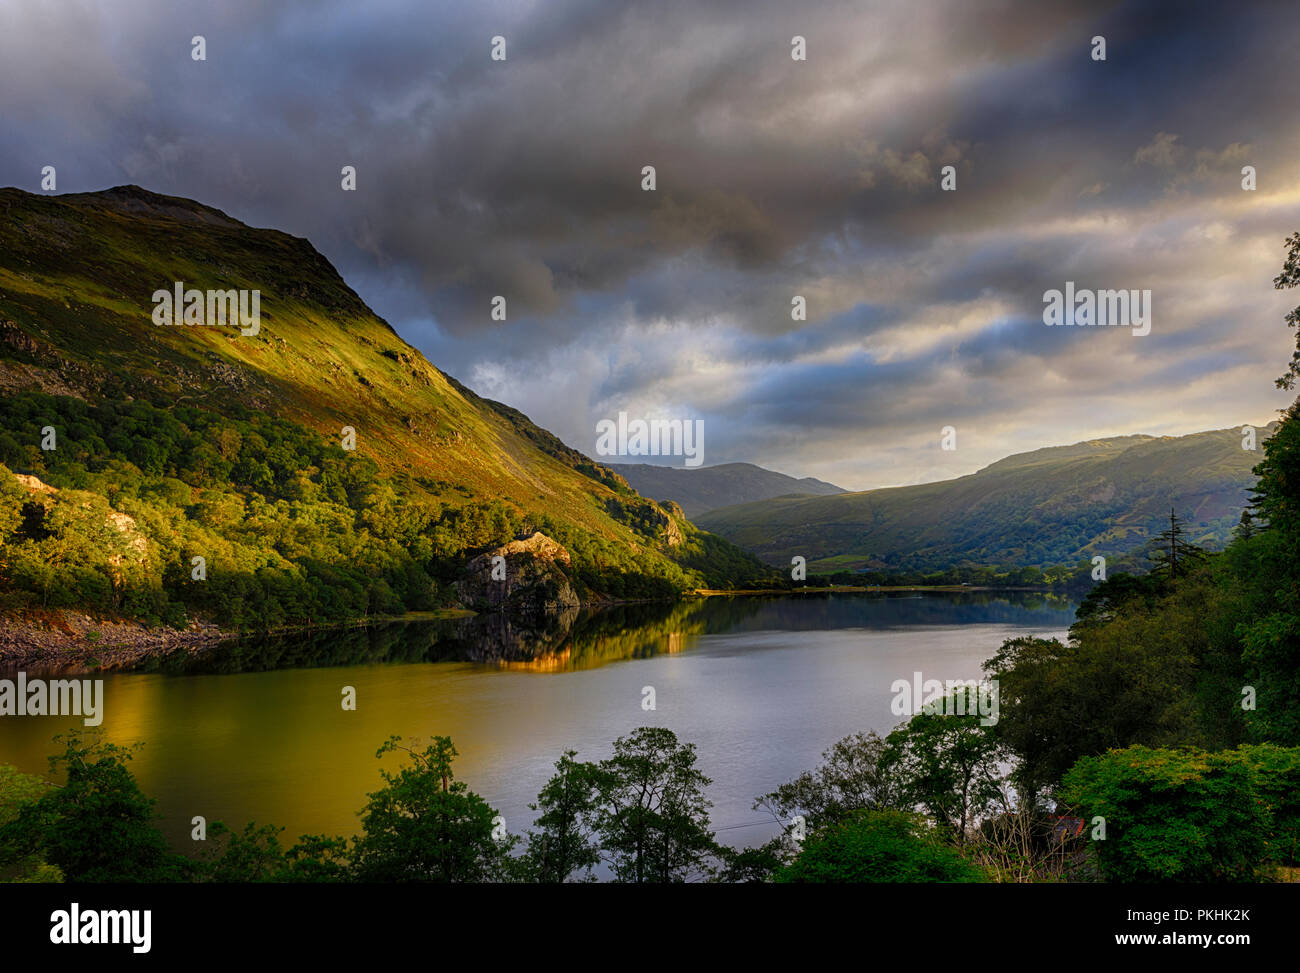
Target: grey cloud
[{"x": 776, "y": 178}]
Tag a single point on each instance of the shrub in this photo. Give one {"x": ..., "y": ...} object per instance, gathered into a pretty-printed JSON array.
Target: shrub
[
  {"x": 880, "y": 846},
  {"x": 1277, "y": 780},
  {"x": 1173, "y": 815}
]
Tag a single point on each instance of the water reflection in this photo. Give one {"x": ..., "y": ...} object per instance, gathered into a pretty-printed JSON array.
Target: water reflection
[{"x": 584, "y": 639}]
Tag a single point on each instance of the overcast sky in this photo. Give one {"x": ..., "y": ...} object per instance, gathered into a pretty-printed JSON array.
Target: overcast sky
[{"x": 775, "y": 178}]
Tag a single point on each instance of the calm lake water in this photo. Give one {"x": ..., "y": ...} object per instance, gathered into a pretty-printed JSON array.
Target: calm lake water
[{"x": 762, "y": 686}]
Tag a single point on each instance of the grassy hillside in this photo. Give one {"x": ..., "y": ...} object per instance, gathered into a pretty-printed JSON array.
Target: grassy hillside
[
  {"x": 214, "y": 443},
  {"x": 707, "y": 488},
  {"x": 1049, "y": 506}
]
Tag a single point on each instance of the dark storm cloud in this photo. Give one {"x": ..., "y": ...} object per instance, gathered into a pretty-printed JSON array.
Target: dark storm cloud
[{"x": 775, "y": 178}]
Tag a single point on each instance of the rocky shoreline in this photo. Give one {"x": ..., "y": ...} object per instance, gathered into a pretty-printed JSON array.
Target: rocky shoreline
[{"x": 74, "y": 642}]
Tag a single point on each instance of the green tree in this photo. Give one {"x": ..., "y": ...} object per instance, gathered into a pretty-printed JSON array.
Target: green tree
[
  {"x": 425, "y": 826},
  {"x": 754, "y": 865},
  {"x": 1117, "y": 593},
  {"x": 1288, "y": 278},
  {"x": 948, "y": 763},
  {"x": 1126, "y": 681},
  {"x": 651, "y": 813},
  {"x": 317, "y": 858},
  {"x": 1268, "y": 583},
  {"x": 95, "y": 827},
  {"x": 857, "y": 773},
  {"x": 1245, "y": 528},
  {"x": 257, "y": 855},
  {"x": 1172, "y": 553},
  {"x": 561, "y": 843}
]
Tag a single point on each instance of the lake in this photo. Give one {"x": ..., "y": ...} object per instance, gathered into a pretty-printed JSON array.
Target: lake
[{"x": 255, "y": 729}]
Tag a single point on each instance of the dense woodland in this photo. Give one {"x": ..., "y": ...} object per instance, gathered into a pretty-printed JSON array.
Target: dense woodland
[{"x": 293, "y": 530}]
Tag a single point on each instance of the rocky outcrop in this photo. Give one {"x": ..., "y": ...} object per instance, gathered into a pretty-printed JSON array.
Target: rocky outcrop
[
  {"x": 531, "y": 576},
  {"x": 672, "y": 530},
  {"x": 672, "y": 508},
  {"x": 650, "y": 519},
  {"x": 68, "y": 641},
  {"x": 34, "y": 484}
]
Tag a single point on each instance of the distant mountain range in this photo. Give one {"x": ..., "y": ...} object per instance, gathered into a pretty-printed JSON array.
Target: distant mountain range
[
  {"x": 710, "y": 487},
  {"x": 1050, "y": 506}
]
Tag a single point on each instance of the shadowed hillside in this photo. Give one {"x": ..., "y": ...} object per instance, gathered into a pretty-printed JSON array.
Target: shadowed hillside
[{"x": 1050, "y": 506}]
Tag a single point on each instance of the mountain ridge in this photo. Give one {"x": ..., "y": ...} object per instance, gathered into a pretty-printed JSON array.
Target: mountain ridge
[{"x": 1053, "y": 505}]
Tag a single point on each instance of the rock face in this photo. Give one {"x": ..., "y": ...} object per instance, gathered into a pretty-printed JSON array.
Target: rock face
[
  {"x": 672, "y": 532},
  {"x": 536, "y": 578},
  {"x": 33, "y": 484}
]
